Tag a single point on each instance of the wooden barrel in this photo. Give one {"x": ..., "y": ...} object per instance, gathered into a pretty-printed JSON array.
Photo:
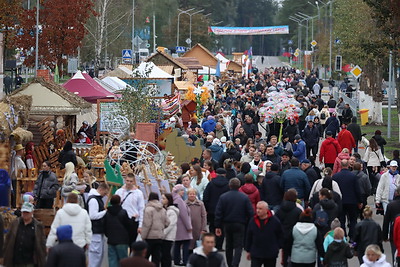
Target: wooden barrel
[{"x": 46, "y": 217}]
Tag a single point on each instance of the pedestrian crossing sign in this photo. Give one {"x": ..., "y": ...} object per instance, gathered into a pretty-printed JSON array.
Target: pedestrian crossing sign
[{"x": 127, "y": 54}]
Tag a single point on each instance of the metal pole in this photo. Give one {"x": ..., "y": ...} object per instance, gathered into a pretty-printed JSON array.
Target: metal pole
[
  {"x": 330, "y": 38},
  {"x": 133, "y": 33},
  {"x": 389, "y": 94},
  {"x": 190, "y": 29},
  {"x": 29, "y": 4},
  {"x": 37, "y": 39},
  {"x": 177, "y": 31}
]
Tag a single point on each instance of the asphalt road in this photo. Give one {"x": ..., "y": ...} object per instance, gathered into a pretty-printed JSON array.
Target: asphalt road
[{"x": 268, "y": 62}]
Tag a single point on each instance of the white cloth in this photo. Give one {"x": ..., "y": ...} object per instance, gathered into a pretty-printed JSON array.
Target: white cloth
[
  {"x": 170, "y": 231},
  {"x": 93, "y": 207},
  {"x": 133, "y": 204},
  {"x": 318, "y": 186},
  {"x": 19, "y": 164},
  {"x": 96, "y": 250},
  {"x": 383, "y": 189},
  {"x": 373, "y": 158},
  {"x": 78, "y": 218},
  {"x": 200, "y": 187}
]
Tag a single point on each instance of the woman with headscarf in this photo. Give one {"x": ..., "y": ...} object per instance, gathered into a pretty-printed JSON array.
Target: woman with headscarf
[
  {"x": 184, "y": 227},
  {"x": 29, "y": 157}
]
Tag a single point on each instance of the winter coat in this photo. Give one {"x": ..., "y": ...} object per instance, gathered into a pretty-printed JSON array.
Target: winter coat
[
  {"x": 297, "y": 179},
  {"x": 258, "y": 232},
  {"x": 170, "y": 230},
  {"x": 337, "y": 166},
  {"x": 116, "y": 225},
  {"x": 39, "y": 246},
  {"x": 229, "y": 154},
  {"x": 69, "y": 184},
  {"x": 199, "y": 220},
  {"x": 311, "y": 136},
  {"x": 367, "y": 232},
  {"x": 216, "y": 152},
  {"x": 347, "y": 114},
  {"x": 381, "y": 262},
  {"x": 215, "y": 188},
  {"x": 252, "y": 192},
  {"x": 271, "y": 190},
  {"x": 332, "y": 124},
  {"x": 46, "y": 185},
  {"x": 340, "y": 108},
  {"x": 329, "y": 150},
  {"x": 318, "y": 186},
  {"x": 355, "y": 129},
  {"x": 373, "y": 158},
  {"x": 199, "y": 187},
  {"x": 327, "y": 115},
  {"x": 291, "y": 130},
  {"x": 60, "y": 255},
  {"x": 230, "y": 173},
  {"x": 233, "y": 207},
  {"x": 363, "y": 182},
  {"x": 299, "y": 150},
  {"x": 155, "y": 220},
  {"x": 382, "y": 191},
  {"x": 311, "y": 175},
  {"x": 66, "y": 157},
  {"x": 346, "y": 140},
  {"x": 348, "y": 184},
  {"x": 337, "y": 254},
  {"x": 392, "y": 211},
  {"x": 209, "y": 125},
  {"x": 396, "y": 233},
  {"x": 184, "y": 223},
  {"x": 78, "y": 218},
  {"x": 288, "y": 214},
  {"x": 331, "y": 209},
  {"x": 306, "y": 243},
  {"x": 250, "y": 129},
  {"x": 379, "y": 140},
  {"x": 199, "y": 259}
]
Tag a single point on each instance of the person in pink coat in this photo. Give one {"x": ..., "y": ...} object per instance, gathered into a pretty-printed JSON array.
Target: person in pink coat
[
  {"x": 250, "y": 190},
  {"x": 337, "y": 167}
]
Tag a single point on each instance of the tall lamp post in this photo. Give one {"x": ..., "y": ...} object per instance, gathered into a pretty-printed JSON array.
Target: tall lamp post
[
  {"x": 177, "y": 31},
  {"x": 190, "y": 25},
  {"x": 37, "y": 39}
]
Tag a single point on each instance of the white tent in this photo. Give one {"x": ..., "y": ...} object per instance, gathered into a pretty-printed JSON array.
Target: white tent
[
  {"x": 223, "y": 62},
  {"x": 115, "y": 83},
  {"x": 206, "y": 71},
  {"x": 151, "y": 71}
]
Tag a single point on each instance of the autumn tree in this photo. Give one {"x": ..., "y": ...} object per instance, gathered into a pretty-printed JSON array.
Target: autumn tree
[
  {"x": 9, "y": 12},
  {"x": 61, "y": 32}
]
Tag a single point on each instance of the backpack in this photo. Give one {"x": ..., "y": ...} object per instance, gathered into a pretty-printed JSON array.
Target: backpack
[
  {"x": 323, "y": 116},
  {"x": 321, "y": 218}
]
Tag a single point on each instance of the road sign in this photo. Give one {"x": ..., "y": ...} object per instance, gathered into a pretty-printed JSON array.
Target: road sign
[
  {"x": 356, "y": 71},
  {"x": 180, "y": 49},
  {"x": 296, "y": 54},
  {"x": 188, "y": 41},
  {"x": 313, "y": 43},
  {"x": 297, "y": 50},
  {"x": 127, "y": 54},
  {"x": 147, "y": 45},
  {"x": 290, "y": 42}
]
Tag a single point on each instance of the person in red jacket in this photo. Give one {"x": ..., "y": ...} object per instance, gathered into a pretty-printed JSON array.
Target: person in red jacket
[
  {"x": 396, "y": 235},
  {"x": 329, "y": 150},
  {"x": 346, "y": 139},
  {"x": 250, "y": 190}
]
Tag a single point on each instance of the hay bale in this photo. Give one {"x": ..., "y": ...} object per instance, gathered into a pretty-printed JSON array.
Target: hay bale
[
  {"x": 21, "y": 105},
  {"x": 22, "y": 135},
  {"x": 8, "y": 217}
]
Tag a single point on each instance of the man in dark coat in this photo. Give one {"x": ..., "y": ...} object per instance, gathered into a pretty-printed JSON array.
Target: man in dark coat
[
  {"x": 311, "y": 138},
  {"x": 347, "y": 114},
  {"x": 66, "y": 253},
  {"x": 233, "y": 211},
  {"x": 263, "y": 226},
  {"x": 351, "y": 197},
  {"x": 392, "y": 211},
  {"x": 309, "y": 170},
  {"x": 215, "y": 188},
  {"x": 206, "y": 254},
  {"x": 355, "y": 130},
  {"x": 249, "y": 127},
  {"x": 271, "y": 190}
]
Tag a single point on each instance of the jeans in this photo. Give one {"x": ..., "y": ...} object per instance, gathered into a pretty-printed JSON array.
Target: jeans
[
  {"x": 349, "y": 210},
  {"x": 154, "y": 249},
  {"x": 234, "y": 233},
  {"x": 116, "y": 253},
  {"x": 219, "y": 239},
  {"x": 96, "y": 250},
  {"x": 185, "y": 251},
  {"x": 257, "y": 262},
  {"x": 166, "y": 257}
]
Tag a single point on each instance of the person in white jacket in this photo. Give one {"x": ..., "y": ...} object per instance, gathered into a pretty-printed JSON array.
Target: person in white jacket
[
  {"x": 198, "y": 180},
  {"x": 72, "y": 214},
  {"x": 387, "y": 185},
  {"x": 170, "y": 231}
]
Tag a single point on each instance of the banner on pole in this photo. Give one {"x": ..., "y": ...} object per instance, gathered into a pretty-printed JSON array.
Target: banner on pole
[{"x": 249, "y": 30}]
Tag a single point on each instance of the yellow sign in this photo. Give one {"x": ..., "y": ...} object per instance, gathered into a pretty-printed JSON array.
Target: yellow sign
[
  {"x": 296, "y": 54},
  {"x": 313, "y": 43},
  {"x": 356, "y": 71}
]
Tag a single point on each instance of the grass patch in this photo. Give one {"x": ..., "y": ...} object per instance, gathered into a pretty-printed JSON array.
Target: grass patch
[{"x": 393, "y": 142}]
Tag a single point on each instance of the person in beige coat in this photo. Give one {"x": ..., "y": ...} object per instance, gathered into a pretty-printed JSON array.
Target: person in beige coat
[
  {"x": 154, "y": 222},
  {"x": 387, "y": 185},
  {"x": 199, "y": 217}
]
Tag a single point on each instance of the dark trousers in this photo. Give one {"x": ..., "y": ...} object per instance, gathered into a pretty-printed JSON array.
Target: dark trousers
[
  {"x": 349, "y": 211},
  {"x": 372, "y": 178},
  {"x": 364, "y": 199},
  {"x": 257, "y": 262},
  {"x": 303, "y": 264},
  {"x": 185, "y": 251},
  {"x": 234, "y": 233},
  {"x": 330, "y": 165},
  {"x": 219, "y": 239},
  {"x": 166, "y": 257},
  {"x": 133, "y": 227},
  {"x": 154, "y": 249},
  {"x": 45, "y": 203},
  {"x": 313, "y": 149},
  {"x": 14, "y": 193}
]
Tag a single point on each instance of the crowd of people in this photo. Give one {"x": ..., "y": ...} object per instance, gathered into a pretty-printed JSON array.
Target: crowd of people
[{"x": 300, "y": 197}]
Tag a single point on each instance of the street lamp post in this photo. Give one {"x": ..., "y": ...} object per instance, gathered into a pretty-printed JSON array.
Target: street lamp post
[
  {"x": 177, "y": 31},
  {"x": 133, "y": 33},
  {"x": 190, "y": 24},
  {"x": 37, "y": 39}
]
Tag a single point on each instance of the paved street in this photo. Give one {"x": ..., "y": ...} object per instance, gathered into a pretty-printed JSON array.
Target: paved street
[{"x": 269, "y": 62}]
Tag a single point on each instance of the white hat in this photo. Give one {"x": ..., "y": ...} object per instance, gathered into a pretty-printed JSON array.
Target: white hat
[
  {"x": 393, "y": 163},
  {"x": 223, "y": 139},
  {"x": 27, "y": 207}
]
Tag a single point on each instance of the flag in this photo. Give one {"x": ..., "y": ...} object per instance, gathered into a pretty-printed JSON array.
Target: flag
[
  {"x": 250, "y": 54},
  {"x": 56, "y": 75},
  {"x": 218, "y": 70}
]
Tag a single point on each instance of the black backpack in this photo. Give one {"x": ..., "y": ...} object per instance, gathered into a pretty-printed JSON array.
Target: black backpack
[
  {"x": 323, "y": 116},
  {"x": 321, "y": 218}
]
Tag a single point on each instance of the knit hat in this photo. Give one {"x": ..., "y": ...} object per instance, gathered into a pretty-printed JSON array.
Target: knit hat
[
  {"x": 335, "y": 224},
  {"x": 64, "y": 232}
]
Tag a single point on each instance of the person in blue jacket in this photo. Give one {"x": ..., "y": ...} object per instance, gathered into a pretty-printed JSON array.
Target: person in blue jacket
[
  {"x": 299, "y": 148},
  {"x": 209, "y": 125},
  {"x": 297, "y": 179}
]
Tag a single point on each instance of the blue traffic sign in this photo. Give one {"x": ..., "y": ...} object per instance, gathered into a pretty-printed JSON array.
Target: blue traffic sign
[
  {"x": 180, "y": 49},
  {"x": 127, "y": 54},
  {"x": 290, "y": 42}
]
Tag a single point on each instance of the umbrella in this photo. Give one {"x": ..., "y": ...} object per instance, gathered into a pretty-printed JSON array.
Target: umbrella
[{"x": 286, "y": 54}]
